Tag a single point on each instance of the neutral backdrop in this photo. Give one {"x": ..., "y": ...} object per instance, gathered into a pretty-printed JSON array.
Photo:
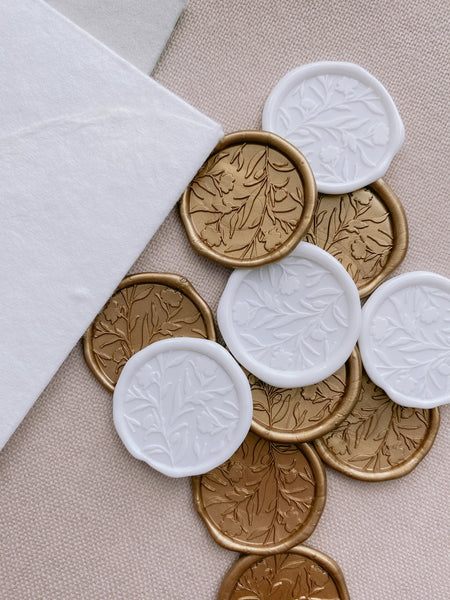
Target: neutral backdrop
[{"x": 79, "y": 517}]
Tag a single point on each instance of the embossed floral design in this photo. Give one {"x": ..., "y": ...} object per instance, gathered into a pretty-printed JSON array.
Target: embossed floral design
[
  {"x": 160, "y": 410},
  {"x": 171, "y": 297},
  {"x": 138, "y": 315},
  {"x": 246, "y": 200},
  {"x": 358, "y": 222},
  {"x": 411, "y": 342},
  {"x": 211, "y": 236},
  {"x": 378, "y": 434},
  {"x": 358, "y": 248},
  {"x": 380, "y": 134},
  {"x": 112, "y": 311},
  {"x": 263, "y": 494},
  {"x": 330, "y": 155},
  {"x": 318, "y": 115},
  {"x": 285, "y": 576},
  {"x": 291, "y": 331}
]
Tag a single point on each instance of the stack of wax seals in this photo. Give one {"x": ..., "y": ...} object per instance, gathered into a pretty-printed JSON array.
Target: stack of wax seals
[{"x": 291, "y": 316}]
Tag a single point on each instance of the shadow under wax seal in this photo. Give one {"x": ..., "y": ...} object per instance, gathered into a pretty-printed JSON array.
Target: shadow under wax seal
[
  {"x": 405, "y": 339},
  {"x": 294, "y": 322},
  {"x": 182, "y": 405},
  {"x": 341, "y": 118},
  {"x": 301, "y": 574},
  {"x": 251, "y": 202},
  {"x": 267, "y": 498},
  {"x": 145, "y": 308}
]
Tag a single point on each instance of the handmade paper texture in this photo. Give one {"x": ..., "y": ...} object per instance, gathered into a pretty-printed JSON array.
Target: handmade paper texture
[
  {"x": 81, "y": 518},
  {"x": 137, "y": 30},
  {"x": 93, "y": 155}
]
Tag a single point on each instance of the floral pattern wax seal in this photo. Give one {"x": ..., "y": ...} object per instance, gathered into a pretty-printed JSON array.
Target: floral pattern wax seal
[
  {"x": 405, "y": 339},
  {"x": 267, "y": 498},
  {"x": 301, "y": 414},
  {"x": 292, "y": 323},
  {"x": 300, "y": 574},
  {"x": 365, "y": 230},
  {"x": 182, "y": 405},
  {"x": 251, "y": 202},
  {"x": 341, "y": 118},
  {"x": 145, "y": 308},
  {"x": 379, "y": 439}
]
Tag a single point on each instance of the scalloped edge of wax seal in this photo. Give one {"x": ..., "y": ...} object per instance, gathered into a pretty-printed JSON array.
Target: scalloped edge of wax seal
[
  {"x": 223, "y": 359},
  {"x": 354, "y": 71},
  {"x": 177, "y": 282},
  {"x": 353, "y": 368},
  {"x": 410, "y": 280},
  {"x": 310, "y": 200},
  {"x": 244, "y": 563},
  {"x": 294, "y": 377},
  {"x": 298, "y": 535}
]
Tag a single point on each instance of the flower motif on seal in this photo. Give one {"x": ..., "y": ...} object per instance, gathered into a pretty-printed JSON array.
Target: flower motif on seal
[
  {"x": 226, "y": 182},
  {"x": 112, "y": 311},
  {"x": 358, "y": 248},
  {"x": 211, "y": 236},
  {"x": 172, "y": 297},
  {"x": 330, "y": 155}
]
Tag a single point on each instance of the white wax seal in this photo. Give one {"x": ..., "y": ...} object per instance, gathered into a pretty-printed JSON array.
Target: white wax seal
[
  {"x": 293, "y": 322},
  {"x": 183, "y": 406},
  {"x": 341, "y": 118},
  {"x": 405, "y": 339}
]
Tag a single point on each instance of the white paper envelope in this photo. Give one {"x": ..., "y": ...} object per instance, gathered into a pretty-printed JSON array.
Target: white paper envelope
[{"x": 93, "y": 155}]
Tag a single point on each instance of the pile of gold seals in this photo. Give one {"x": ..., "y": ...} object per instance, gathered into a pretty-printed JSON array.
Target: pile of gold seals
[{"x": 242, "y": 209}]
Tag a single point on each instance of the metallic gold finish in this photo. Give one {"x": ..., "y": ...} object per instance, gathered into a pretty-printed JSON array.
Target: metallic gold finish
[
  {"x": 300, "y": 574},
  {"x": 380, "y": 439},
  {"x": 266, "y": 498},
  {"x": 145, "y": 308},
  {"x": 251, "y": 202},
  {"x": 302, "y": 414},
  {"x": 365, "y": 230}
]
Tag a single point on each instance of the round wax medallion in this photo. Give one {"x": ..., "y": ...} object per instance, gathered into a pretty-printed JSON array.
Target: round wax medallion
[
  {"x": 251, "y": 202},
  {"x": 365, "y": 230},
  {"x": 266, "y": 498},
  {"x": 305, "y": 413},
  {"x": 182, "y": 405},
  {"x": 300, "y": 574},
  {"x": 379, "y": 439},
  {"x": 145, "y": 308},
  {"x": 294, "y": 322},
  {"x": 341, "y": 118},
  {"x": 405, "y": 339}
]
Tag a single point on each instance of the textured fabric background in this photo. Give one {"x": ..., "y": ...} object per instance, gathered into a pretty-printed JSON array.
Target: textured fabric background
[{"x": 79, "y": 517}]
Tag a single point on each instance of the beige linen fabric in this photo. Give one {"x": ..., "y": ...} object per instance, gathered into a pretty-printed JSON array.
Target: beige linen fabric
[{"x": 79, "y": 517}]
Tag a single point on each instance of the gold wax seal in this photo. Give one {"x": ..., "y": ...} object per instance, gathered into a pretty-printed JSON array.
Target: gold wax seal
[
  {"x": 365, "y": 230},
  {"x": 266, "y": 498},
  {"x": 301, "y": 414},
  {"x": 300, "y": 574},
  {"x": 145, "y": 308},
  {"x": 379, "y": 439},
  {"x": 251, "y": 202}
]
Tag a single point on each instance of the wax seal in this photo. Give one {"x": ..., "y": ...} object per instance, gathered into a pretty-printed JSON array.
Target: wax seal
[
  {"x": 379, "y": 439},
  {"x": 365, "y": 230},
  {"x": 266, "y": 498},
  {"x": 305, "y": 413},
  {"x": 145, "y": 308},
  {"x": 182, "y": 405},
  {"x": 300, "y": 574},
  {"x": 405, "y": 339},
  {"x": 341, "y": 118},
  {"x": 292, "y": 323},
  {"x": 251, "y": 202}
]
